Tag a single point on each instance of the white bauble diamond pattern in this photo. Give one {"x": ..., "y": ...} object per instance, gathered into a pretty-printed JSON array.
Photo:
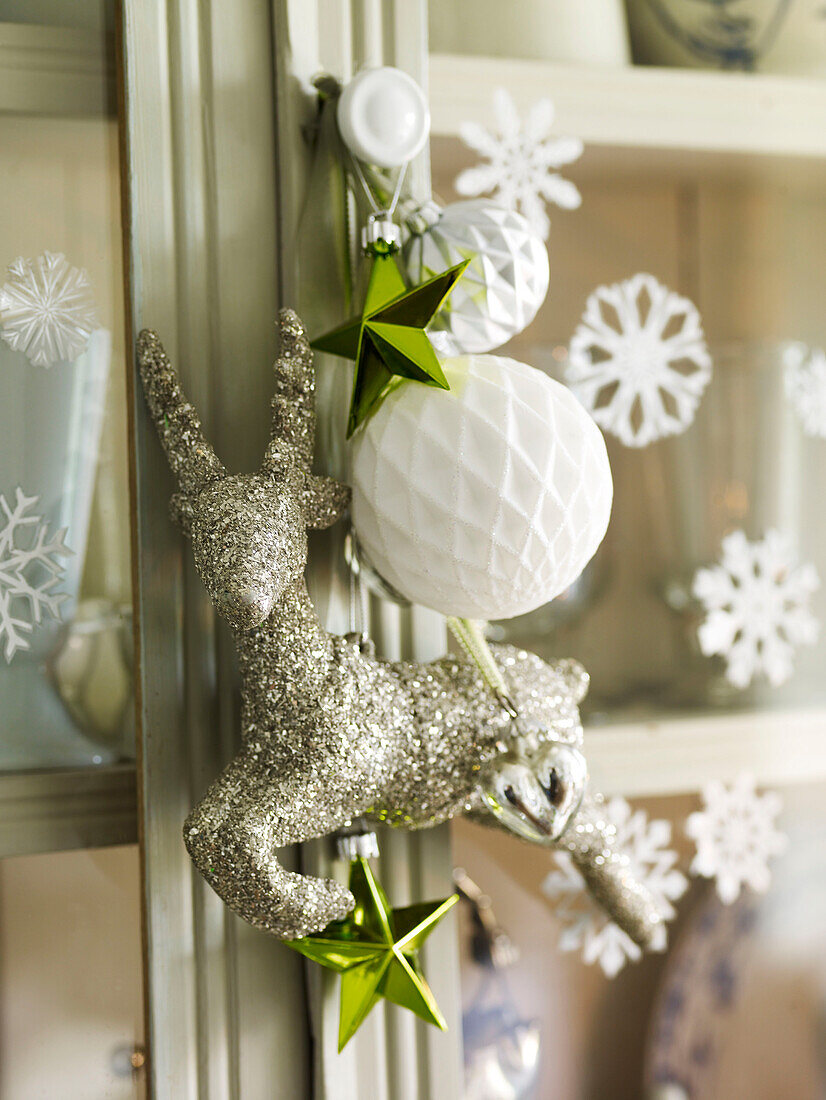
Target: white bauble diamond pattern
[
  {"x": 484, "y": 501},
  {"x": 503, "y": 286}
]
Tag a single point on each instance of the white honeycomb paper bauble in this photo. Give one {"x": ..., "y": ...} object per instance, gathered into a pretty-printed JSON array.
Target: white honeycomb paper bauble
[
  {"x": 483, "y": 501},
  {"x": 504, "y": 284}
]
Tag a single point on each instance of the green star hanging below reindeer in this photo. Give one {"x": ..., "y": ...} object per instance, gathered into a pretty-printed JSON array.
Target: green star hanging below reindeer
[
  {"x": 376, "y": 951},
  {"x": 388, "y": 338}
]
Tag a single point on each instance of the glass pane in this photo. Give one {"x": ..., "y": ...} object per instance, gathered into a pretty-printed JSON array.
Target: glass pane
[
  {"x": 746, "y": 464},
  {"x": 65, "y": 598},
  {"x": 741, "y": 240},
  {"x": 71, "y": 1015},
  {"x": 734, "y": 1007},
  {"x": 701, "y": 616}
]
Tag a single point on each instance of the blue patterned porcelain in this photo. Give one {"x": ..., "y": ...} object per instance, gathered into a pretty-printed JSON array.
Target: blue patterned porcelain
[
  {"x": 768, "y": 36},
  {"x": 725, "y": 34}
]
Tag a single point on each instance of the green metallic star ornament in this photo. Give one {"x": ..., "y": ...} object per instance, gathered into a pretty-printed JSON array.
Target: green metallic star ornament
[
  {"x": 376, "y": 951},
  {"x": 388, "y": 339}
]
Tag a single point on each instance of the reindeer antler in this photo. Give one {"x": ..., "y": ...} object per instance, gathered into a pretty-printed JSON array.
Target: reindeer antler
[
  {"x": 193, "y": 461},
  {"x": 292, "y": 433},
  {"x": 293, "y": 405}
]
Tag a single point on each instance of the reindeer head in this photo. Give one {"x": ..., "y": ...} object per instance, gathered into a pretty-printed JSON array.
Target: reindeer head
[{"x": 248, "y": 531}]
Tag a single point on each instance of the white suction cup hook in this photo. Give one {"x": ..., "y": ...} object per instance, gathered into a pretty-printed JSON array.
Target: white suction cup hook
[{"x": 383, "y": 117}]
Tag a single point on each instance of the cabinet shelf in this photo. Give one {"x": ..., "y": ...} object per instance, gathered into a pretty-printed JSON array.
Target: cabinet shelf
[
  {"x": 685, "y": 111},
  {"x": 66, "y": 808},
  {"x": 680, "y": 754},
  {"x": 54, "y": 71}
]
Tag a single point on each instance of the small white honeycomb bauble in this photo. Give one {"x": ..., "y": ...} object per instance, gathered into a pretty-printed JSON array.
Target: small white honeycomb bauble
[
  {"x": 483, "y": 501},
  {"x": 503, "y": 286}
]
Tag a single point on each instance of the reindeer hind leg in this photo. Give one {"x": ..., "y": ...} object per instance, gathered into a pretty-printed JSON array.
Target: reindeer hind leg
[{"x": 233, "y": 835}]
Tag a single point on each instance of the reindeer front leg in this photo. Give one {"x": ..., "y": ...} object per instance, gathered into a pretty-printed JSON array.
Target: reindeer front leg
[
  {"x": 590, "y": 841},
  {"x": 233, "y": 834}
]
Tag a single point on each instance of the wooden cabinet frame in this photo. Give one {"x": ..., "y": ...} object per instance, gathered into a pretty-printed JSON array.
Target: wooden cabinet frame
[{"x": 215, "y": 98}]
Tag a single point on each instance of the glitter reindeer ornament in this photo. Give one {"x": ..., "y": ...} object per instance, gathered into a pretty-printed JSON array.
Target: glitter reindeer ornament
[{"x": 330, "y": 732}]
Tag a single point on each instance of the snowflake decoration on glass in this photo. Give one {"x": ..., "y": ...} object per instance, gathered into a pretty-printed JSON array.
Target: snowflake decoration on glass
[
  {"x": 756, "y": 607},
  {"x": 650, "y": 861},
  {"x": 805, "y": 380},
  {"x": 522, "y": 161},
  {"x": 30, "y": 569},
  {"x": 638, "y": 360},
  {"x": 46, "y": 309},
  {"x": 736, "y": 836}
]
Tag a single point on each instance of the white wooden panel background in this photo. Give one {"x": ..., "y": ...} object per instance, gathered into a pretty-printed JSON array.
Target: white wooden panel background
[{"x": 394, "y": 1055}]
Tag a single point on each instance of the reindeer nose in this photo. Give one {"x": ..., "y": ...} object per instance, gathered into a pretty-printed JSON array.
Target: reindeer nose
[
  {"x": 255, "y": 602},
  {"x": 247, "y": 606}
]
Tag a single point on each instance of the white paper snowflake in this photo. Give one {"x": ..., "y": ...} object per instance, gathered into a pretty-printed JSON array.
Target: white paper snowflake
[
  {"x": 585, "y": 924},
  {"x": 522, "y": 161},
  {"x": 30, "y": 570},
  {"x": 46, "y": 309},
  {"x": 638, "y": 360},
  {"x": 756, "y": 604},
  {"x": 736, "y": 836},
  {"x": 805, "y": 380}
]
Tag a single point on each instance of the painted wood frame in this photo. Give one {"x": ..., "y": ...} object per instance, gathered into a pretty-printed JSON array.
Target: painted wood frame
[
  {"x": 226, "y": 1005},
  {"x": 642, "y": 107},
  {"x": 55, "y": 71}
]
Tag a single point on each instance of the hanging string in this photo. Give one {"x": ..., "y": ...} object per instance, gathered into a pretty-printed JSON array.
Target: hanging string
[
  {"x": 378, "y": 208},
  {"x": 395, "y": 200},
  {"x": 358, "y": 840},
  {"x": 326, "y": 197},
  {"x": 468, "y": 633}
]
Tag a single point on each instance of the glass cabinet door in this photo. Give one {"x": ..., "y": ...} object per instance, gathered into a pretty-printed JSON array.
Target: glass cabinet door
[
  {"x": 65, "y": 588},
  {"x": 71, "y": 985},
  {"x": 676, "y": 147}
]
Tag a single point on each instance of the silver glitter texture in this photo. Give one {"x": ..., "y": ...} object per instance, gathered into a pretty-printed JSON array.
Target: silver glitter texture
[{"x": 330, "y": 732}]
